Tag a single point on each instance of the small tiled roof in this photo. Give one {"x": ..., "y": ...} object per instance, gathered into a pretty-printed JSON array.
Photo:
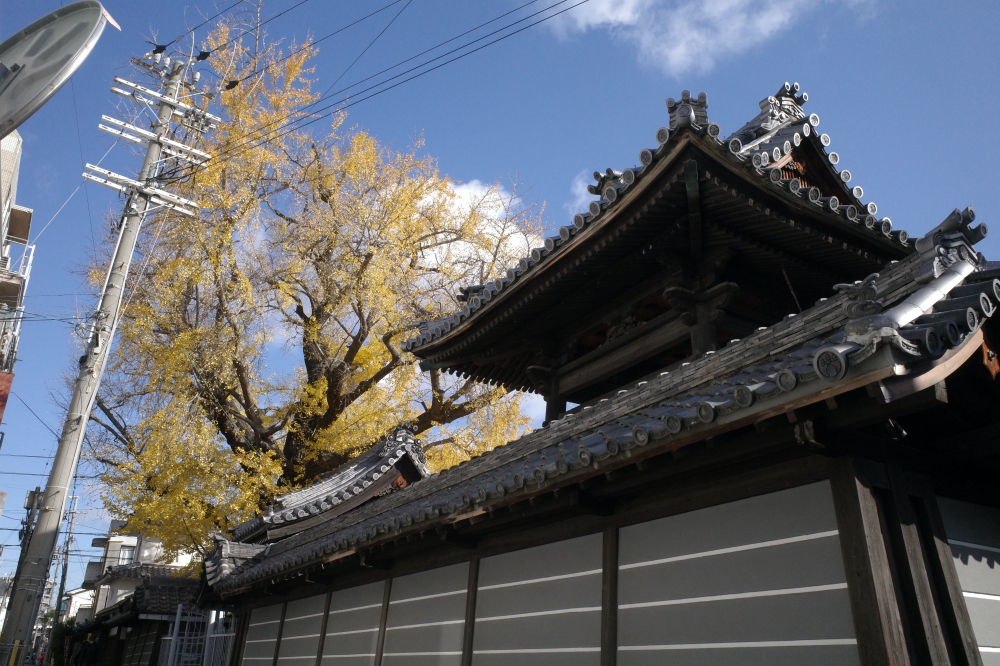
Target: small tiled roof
[
  {"x": 227, "y": 556},
  {"x": 937, "y": 297},
  {"x": 160, "y": 592},
  {"x": 762, "y": 148},
  {"x": 139, "y": 570},
  {"x": 340, "y": 486}
]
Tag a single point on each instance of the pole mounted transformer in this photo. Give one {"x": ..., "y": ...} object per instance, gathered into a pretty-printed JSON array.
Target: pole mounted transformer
[{"x": 144, "y": 195}]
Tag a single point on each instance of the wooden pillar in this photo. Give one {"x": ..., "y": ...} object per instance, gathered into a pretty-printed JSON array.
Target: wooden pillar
[
  {"x": 943, "y": 576},
  {"x": 555, "y": 407},
  {"x": 380, "y": 643},
  {"x": 915, "y": 583},
  {"x": 703, "y": 335},
  {"x": 694, "y": 207},
  {"x": 322, "y": 629},
  {"x": 877, "y": 624},
  {"x": 609, "y": 599},
  {"x": 239, "y": 639},
  {"x": 277, "y": 641},
  {"x": 470, "y": 612}
]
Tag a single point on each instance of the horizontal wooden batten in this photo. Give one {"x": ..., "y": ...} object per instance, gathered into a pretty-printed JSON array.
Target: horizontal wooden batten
[{"x": 639, "y": 344}]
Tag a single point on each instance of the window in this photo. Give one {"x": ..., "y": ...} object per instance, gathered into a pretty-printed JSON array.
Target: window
[{"x": 126, "y": 555}]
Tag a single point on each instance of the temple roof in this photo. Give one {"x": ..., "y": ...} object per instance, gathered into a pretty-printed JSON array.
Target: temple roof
[
  {"x": 772, "y": 192},
  {"x": 902, "y": 330}
]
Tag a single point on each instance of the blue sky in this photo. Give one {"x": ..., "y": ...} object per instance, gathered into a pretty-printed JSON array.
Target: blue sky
[{"x": 908, "y": 91}]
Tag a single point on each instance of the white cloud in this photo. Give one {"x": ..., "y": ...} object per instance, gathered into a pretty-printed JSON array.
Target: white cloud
[
  {"x": 581, "y": 197},
  {"x": 682, "y": 36},
  {"x": 533, "y": 406},
  {"x": 499, "y": 210},
  {"x": 477, "y": 193}
]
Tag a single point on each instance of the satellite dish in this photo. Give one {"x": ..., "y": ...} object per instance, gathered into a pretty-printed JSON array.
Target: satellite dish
[{"x": 37, "y": 61}]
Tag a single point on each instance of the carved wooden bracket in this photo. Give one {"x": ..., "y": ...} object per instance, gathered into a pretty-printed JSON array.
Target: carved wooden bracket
[
  {"x": 713, "y": 300},
  {"x": 542, "y": 376}
]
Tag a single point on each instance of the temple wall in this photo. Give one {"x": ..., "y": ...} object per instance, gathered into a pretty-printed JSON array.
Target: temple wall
[
  {"x": 974, "y": 537},
  {"x": 759, "y": 580}
]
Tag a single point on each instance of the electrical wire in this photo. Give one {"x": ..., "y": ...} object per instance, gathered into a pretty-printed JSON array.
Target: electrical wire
[
  {"x": 434, "y": 48},
  {"x": 340, "y": 105},
  {"x": 206, "y": 21},
  {"x": 250, "y": 139},
  {"x": 312, "y": 43},
  {"x": 370, "y": 44},
  {"x": 33, "y": 413},
  {"x": 71, "y": 196},
  {"x": 83, "y": 164}
]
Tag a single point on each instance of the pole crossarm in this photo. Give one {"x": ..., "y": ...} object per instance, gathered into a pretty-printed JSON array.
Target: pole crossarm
[
  {"x": 159, "y": 98},
  {"x": 126, "y": 190},
  {"x": 151, "y": 191},
  {"x": 161, "y": 138}
]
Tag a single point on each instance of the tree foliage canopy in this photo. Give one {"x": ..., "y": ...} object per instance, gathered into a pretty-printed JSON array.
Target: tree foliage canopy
[{"x": 259, "y": 347}]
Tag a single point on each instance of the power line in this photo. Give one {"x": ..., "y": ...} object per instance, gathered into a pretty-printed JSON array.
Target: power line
[
  {"x": 262, "y": 23},
  {"x": 234, "y": 83},
  {"x": 436, "y": 46},
  {"x": 251, "y": 141},
  {"x": 211, "y": 18},
  {"x": 70, "y": 196},
  {"x": 83, "y": 162},
  {"x": 34, "y": 414},
  {"x": 370, "y": 44}
]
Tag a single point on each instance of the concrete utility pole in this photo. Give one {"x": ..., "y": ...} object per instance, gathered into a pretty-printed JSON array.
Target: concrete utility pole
[
  {"x": 62, "y": 581},
  {"x": 29, "y": 582}
]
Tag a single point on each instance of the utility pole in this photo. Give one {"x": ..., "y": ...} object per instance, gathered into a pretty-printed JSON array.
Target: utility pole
[
  {"x": 143, "y": 197},
  {"x": 62, "y": 582}
]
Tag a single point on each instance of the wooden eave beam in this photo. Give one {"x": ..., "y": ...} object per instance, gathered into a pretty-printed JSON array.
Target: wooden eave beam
[{"x": 599, "y": 365}]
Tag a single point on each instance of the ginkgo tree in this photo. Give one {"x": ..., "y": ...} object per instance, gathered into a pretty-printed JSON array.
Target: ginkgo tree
[{"x": 260, "y": 346}]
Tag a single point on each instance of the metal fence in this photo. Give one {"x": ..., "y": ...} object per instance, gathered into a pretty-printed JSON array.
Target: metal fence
[
  {"x": 205, "y": 640},
  {"x": 219, "y": 638}
]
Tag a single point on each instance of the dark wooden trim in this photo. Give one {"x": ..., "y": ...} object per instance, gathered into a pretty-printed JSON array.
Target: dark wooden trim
[
  {"x": 609, "y": 599},
  {"x": 637, "y": 345},
  {"x": 916, "y": 591},
  {"x": 956, "y": 613},
  {"x": 322, "y": 628},
  {"x": 281, "y": 629},
  {"x": 239, "y": 640},
  {"x": 694, "y": 206},
  {"x": 381, "y": 622},
  {"x": 555, "y": 407},
  {"x": 877, "y": 624},
  {"x": 470, "y": 612}
]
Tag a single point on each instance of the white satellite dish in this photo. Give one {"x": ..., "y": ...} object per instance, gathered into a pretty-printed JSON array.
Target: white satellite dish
[{"x": 37, "y": 61}]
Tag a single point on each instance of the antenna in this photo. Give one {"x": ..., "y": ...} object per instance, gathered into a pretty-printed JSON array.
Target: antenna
[{"x": 144, "y": 195}]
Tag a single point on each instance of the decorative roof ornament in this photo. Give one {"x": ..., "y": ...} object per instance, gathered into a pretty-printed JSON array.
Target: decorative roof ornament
[
  {"x": 776, "y": 112},
  {"x": 689, "y": 112},
  {"x": 948, "y": 258},
  {"x": 862, "y": 297}
]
